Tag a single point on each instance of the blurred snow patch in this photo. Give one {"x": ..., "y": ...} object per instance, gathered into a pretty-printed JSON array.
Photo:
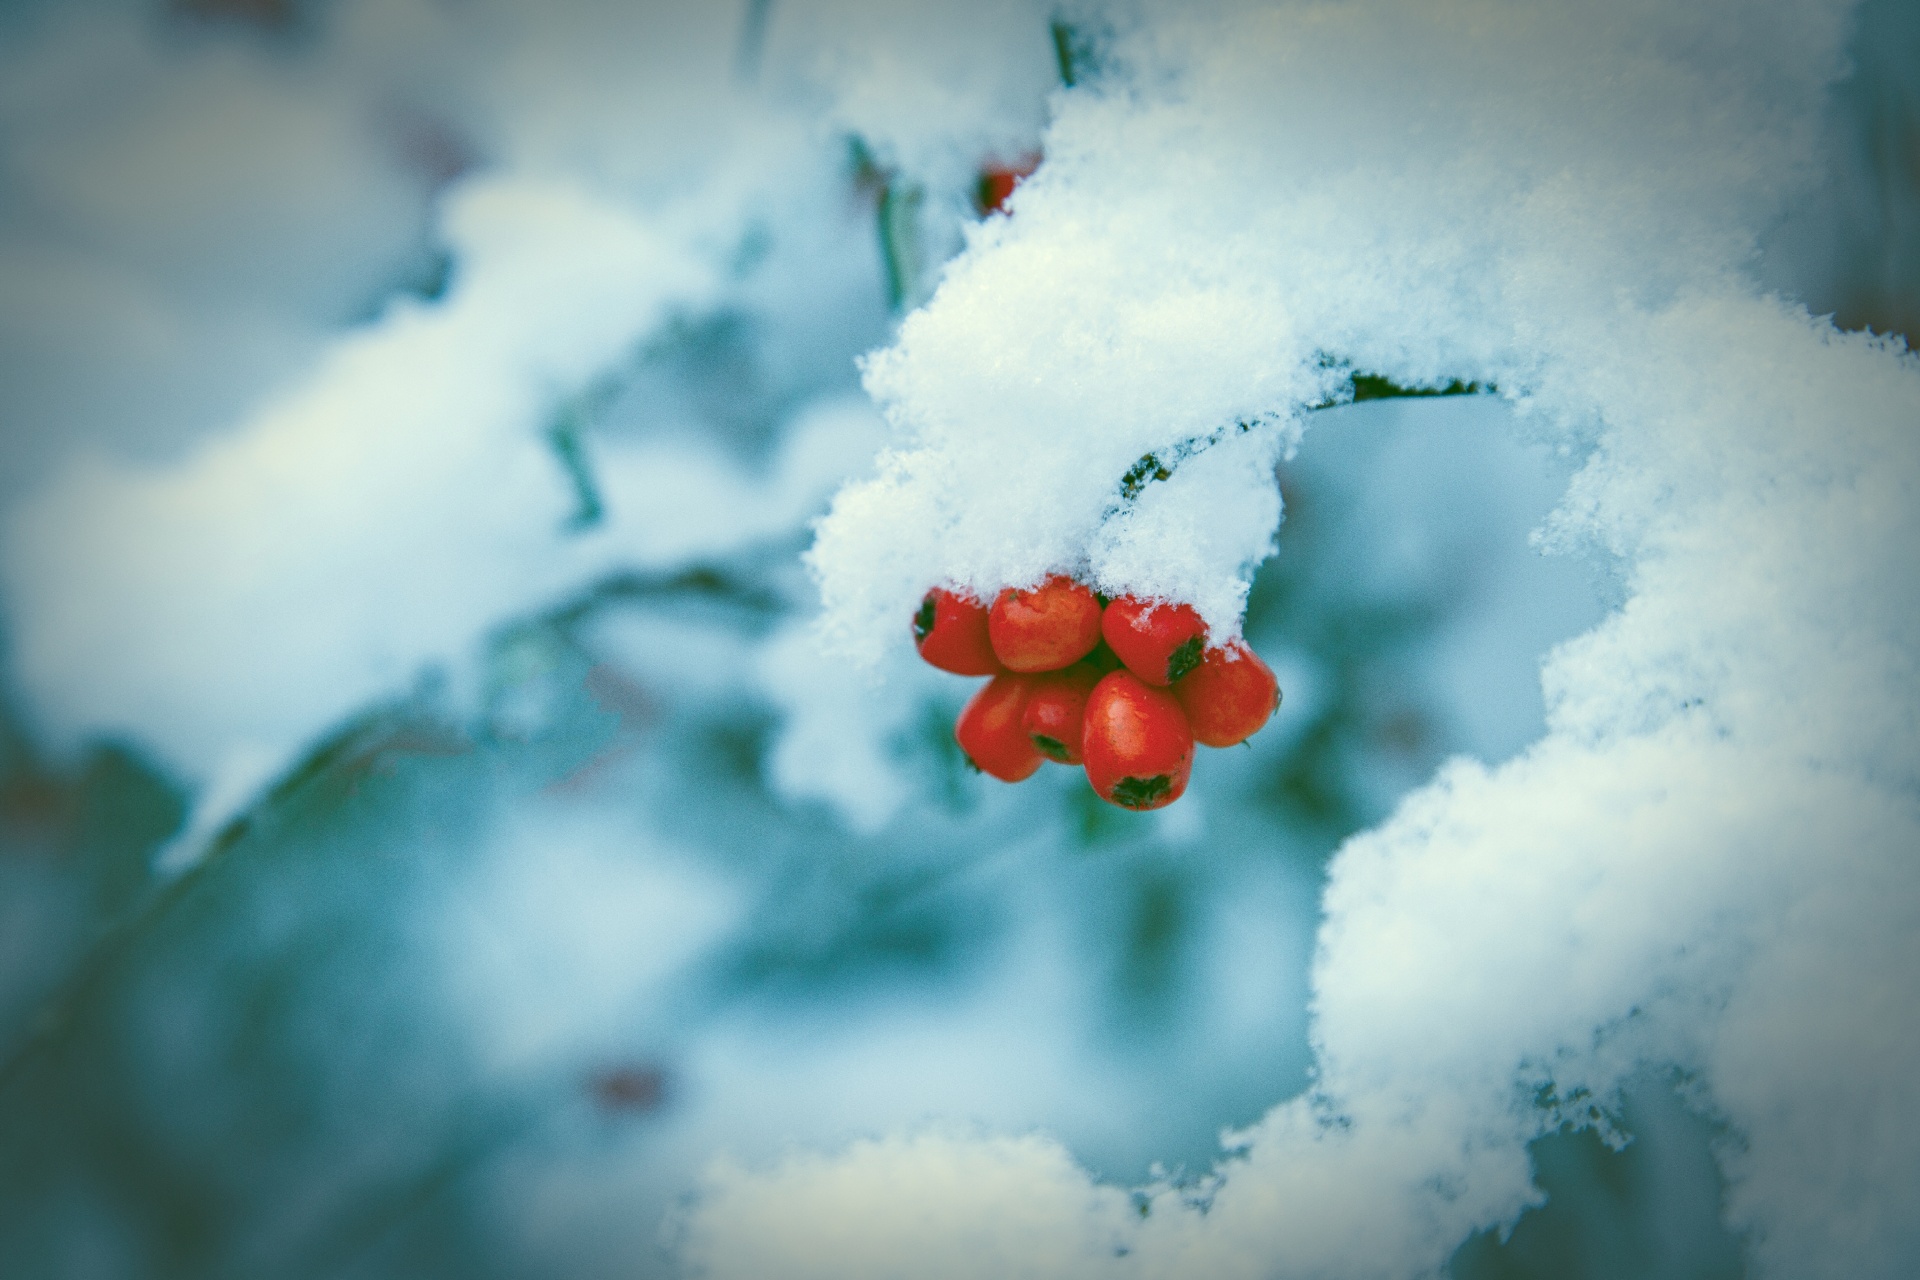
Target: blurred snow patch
[
  {"x": 933, "y": 90},
  {"x": 361, "y": 527},
  {"x": 1432, "y": 505},
  {"x": 839, "y": 727},
  {"x": 674, "y": 500},
  {"x": 931, "y": 1204},
  {"x": 563, "y": 934},
  {"x": 242, "y": 776}
]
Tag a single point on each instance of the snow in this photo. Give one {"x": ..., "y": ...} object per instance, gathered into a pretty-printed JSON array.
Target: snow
[
  {"x": 259, "y": 578},
  {"x": 857, "y": 1212},
  {"x": 1712, "y": 845}
]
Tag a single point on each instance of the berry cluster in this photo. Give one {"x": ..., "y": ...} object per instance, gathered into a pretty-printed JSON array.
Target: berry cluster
[{"x": 1122, "y": 687}]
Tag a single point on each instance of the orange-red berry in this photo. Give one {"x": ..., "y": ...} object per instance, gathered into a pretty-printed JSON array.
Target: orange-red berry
[
  {"x": 1159, "y": 642},
  {"x": 1138, "y": 748},
  {"x": 997, "y": 182},
  {"x": 1229, "y": 696},
  {"x": 989, "y": 731},
  {"x": 1052, "y": 626},
  {"x": 950, "y": 630},
  {"x": 1056, "y": 710}
]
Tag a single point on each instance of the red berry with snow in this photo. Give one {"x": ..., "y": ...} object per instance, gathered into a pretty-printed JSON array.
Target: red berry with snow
[
  {"x": 1159, "y": 642},
  {"x": 1052, "y": 626},
  {"x": 989, "y": 729},
  {"x": 950, "y": 630},
  {"x": 1138, "y": 748},
  {"x": 1056, "y": 710},
  {"x": 997, "y": 182},
  {"x": 1229, "y": 696}
]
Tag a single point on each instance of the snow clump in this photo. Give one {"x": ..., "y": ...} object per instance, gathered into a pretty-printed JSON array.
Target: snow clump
[{"x": 1706, "y": 867}]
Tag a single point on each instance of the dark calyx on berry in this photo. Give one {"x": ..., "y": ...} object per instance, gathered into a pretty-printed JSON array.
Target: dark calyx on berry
[
  {"x": 1158, "y": 641},
  {"x": 1185, "y": 658},
  {"x": 1141, "y": 793},
  {"x": 1052, "y": 748},
  {"x": 950, "y": 631}
]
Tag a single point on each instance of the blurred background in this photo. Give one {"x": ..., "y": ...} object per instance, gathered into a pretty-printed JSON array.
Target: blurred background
[{"x": 460, "y": 940}]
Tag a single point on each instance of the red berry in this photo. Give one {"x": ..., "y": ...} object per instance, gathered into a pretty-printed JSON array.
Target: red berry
[
  {"x": 950, "y": 630},
  {"x": 1052, "y": 626},
  {"x": 1056, "y": 710},
  {"x": 989, "y": 731},
  {"x": 1159, "y": 642},
  {"x": 997, "y": 182},
  {"x": 1229, "y": 695},
  {"x": 1138, "y": 747}
]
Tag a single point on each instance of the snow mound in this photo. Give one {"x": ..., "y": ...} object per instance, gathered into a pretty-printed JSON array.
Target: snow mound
[{"x": 1706, "y": 867}]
